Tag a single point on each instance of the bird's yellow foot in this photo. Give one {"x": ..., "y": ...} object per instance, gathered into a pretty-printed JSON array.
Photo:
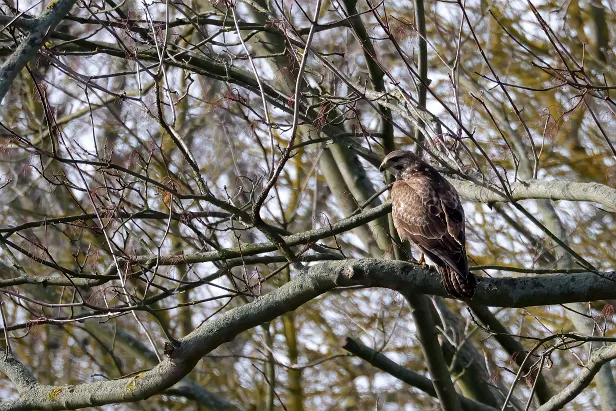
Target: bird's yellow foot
[{"x": 422, "y": 259}]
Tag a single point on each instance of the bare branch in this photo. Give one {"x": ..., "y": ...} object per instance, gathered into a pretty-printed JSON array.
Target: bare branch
[
  {"x": 435, "y": 362},
  {"x": 17, "y": 372},
  {"x": 541, "y": 189},
  {"x": 586, "y": 374},
  {"x": 410, "y": 377},
  {"x": 28, "y": 48}
]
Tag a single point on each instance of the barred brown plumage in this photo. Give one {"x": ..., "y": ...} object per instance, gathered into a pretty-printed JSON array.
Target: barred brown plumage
[{"x": 427, "y": 211}]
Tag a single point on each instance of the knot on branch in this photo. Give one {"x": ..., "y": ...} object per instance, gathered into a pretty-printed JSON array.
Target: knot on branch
[
  {"x": 170, "y": 347},
  {"x": 355, "y": 271},
  {"x": 349, "y": 271}
]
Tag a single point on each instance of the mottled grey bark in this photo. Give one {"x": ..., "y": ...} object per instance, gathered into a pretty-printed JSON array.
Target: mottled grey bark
[
  {"x": 28, "y": 48},
  {"x": 186, "y": 387},
  {"x": 538, "y": 189}
]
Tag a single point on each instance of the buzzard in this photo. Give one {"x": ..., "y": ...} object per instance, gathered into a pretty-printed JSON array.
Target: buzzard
[{"x": 427, "y": 211}]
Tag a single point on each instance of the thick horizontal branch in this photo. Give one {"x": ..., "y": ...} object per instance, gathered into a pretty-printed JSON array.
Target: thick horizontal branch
[
  {"x": 315, "y": 281},
  {"x": 410, "y": 377},
  {"x": 536, "y": 189},
  {"x": 139, "y": 349}
]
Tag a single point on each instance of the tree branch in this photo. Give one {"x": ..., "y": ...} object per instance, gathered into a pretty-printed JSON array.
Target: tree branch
[
  {"x": 433, "y": 355},
  {"x": 556, "y": 190},
  {"x": 28, "y": 48},
  {"x": 536, "y": 189},
  {"x": 509, "y": 344},
  {"x": 473, "y": 380},
  {"x": 606, "y": 387},
  {"x": 16, "y": 372},
  {"x": 585, "y": 376},
  {"x": 190, "y": 389},
  {"x": 317, "y": 280},
  {"x": 380, "y": 361}
]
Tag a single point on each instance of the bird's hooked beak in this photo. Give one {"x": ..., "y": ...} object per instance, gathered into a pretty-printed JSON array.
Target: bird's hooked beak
[{"x": 383, "y": 166}]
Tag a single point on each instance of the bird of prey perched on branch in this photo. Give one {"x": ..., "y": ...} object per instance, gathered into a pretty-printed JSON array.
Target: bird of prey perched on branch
[{"x": 427, "y": 211}]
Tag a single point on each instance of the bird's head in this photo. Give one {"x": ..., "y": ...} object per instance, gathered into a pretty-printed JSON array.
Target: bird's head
[{"x": 398, "y": 161}]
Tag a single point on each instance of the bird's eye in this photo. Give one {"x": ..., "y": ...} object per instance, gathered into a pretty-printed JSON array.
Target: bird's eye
[{"x": 399, "y": 167}]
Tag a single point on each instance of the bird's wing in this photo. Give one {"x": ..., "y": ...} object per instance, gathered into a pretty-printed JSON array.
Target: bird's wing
[
  {"x": 431, "y": 216},
  {"x": 452, "y": 210}
]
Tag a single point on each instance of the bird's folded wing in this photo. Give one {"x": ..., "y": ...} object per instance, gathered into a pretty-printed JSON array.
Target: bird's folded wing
[{"x": 432, "y": 218}]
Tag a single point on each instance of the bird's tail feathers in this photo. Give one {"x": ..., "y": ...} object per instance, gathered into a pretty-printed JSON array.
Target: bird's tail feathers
[{"x": 457, "y": 284}]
